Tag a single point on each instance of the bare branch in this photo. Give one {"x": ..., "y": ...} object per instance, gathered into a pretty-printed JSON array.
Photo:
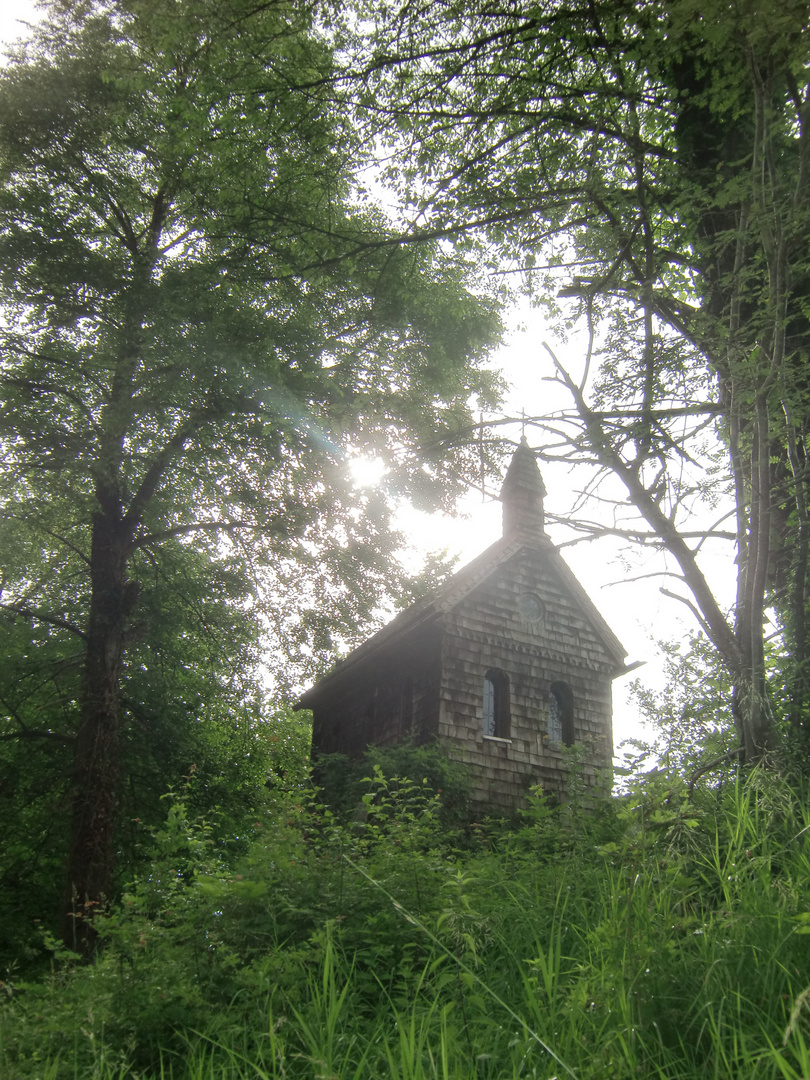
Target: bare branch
[
  {"x": 595, "y": 532},
  {"x": 149, "y": 539},
  {"x": 710, "y": 617},
  {"x": 51, "y": 620},
  {"x": 29, "y": 733},
  {"x": 685, "y": 600}
]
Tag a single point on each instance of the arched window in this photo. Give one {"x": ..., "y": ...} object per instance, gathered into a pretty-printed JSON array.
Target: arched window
[
  {"x": 561, "y": 714},
  {"x": 496, "y": 704}
]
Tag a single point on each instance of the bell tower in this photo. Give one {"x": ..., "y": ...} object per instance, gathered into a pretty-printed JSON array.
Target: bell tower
[{"x": 522, "y": 494}]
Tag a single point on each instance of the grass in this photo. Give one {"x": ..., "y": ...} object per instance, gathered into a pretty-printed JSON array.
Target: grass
[{"x": 666, "y": 938}]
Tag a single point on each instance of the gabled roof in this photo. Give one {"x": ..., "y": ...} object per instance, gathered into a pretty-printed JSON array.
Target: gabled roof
[{"x": 457, "y": 587}]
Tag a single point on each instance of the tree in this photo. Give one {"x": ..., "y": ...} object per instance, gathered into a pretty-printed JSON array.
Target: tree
[
  {"x": 193, "y": 718},
  {"x": 648, "y": 162},
  {"x": 690, "y": 720},
  {"x": 202, "y": 318}
]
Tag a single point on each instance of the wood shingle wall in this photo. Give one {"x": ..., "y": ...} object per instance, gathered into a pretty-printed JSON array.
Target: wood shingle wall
[
  {"x": 394, "y": 695},
  {"x": 487, "y": 631}
]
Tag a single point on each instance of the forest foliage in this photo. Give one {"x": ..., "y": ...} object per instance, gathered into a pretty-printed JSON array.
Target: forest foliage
[
  {"x": 206, "y": 315},
  {"x": 666, "y": 934}
]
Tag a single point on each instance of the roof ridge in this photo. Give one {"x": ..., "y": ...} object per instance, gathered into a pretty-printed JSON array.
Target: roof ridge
[{"x": 454, "y": 589}]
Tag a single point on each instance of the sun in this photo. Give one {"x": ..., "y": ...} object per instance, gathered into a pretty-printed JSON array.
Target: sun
[{"x": 366, "y": 471}]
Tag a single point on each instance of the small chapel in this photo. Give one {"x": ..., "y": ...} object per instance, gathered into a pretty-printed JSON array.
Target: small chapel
[{"x": 508, "y": 663}]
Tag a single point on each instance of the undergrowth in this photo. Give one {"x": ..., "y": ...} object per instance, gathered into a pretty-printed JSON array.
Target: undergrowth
[{"x": 666, "y": 935}]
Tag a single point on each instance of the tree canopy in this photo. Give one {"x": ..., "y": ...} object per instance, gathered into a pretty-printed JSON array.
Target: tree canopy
[{"x": 203, "y": 317}]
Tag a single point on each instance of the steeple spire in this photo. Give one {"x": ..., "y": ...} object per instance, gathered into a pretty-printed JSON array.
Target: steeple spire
[{"x": 522, "y": 493}]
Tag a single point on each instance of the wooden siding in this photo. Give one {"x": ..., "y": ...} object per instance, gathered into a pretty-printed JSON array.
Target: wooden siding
[
  {"x": 428, "y": 679},
  {"x": 394, "y": 696},
  {"x": 488, "y": 630}
]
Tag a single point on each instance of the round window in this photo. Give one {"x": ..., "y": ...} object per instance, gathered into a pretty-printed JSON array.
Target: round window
[{"x": 531, "y": 606}]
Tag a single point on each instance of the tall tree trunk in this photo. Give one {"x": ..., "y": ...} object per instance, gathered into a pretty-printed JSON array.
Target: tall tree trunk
[
  {"x": 97, "y": 761},
  {"x": 798, "y": 581}
]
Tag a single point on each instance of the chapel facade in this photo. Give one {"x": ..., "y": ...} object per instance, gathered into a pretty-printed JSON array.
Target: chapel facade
[{"x": 508, "y": 663}]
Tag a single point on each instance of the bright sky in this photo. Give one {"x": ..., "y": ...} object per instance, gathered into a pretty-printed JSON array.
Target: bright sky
[
  {"x": 11, "y": 12},
  {"x": 636, "y": 611}
]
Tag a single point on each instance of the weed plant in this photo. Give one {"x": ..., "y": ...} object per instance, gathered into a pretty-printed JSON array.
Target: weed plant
[{"x": 663, "y": 934}]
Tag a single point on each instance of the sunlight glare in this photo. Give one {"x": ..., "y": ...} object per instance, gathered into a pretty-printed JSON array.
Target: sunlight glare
[{"x": 366, "y": 471}]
